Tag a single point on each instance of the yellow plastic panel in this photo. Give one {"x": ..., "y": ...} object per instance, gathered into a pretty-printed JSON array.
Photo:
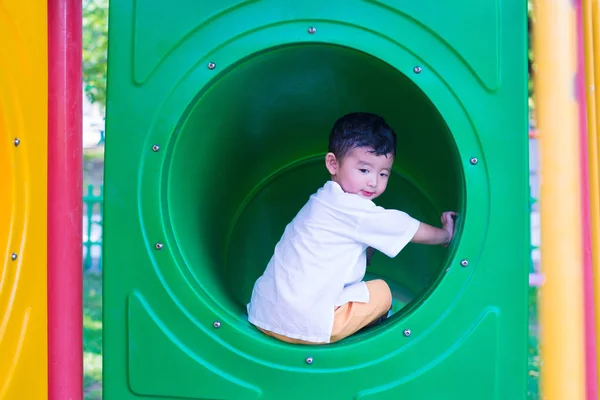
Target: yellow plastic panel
[{"x": 23, "y": 160}]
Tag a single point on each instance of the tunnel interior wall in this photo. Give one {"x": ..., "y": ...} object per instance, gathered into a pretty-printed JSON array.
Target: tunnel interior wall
[{"x": 251, "y": 151}]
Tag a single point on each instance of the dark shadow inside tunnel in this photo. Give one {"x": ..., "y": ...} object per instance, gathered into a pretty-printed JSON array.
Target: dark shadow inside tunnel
[{"x": 250, "y": 151}]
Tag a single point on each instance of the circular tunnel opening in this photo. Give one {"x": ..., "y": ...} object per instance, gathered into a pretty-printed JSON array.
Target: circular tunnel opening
[{"x": 250, "y": 151}]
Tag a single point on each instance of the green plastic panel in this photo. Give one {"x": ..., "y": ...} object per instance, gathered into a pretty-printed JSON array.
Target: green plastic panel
[{"x": 218, "y": 118}]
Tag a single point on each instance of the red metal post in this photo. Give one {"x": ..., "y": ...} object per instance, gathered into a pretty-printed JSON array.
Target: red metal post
[{"x": 65, "y": 181}]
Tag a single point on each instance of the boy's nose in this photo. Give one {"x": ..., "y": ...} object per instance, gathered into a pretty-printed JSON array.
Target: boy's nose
[{"x": 372, "y": 183}]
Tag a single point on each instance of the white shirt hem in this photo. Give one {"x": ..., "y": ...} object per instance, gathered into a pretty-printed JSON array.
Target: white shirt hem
[{"x": 267, "y": 327}]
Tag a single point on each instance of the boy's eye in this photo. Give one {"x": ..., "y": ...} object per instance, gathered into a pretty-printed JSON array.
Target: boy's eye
[
  {"x": 364, "y": 171},
  {"x": 383, "y": 174}
]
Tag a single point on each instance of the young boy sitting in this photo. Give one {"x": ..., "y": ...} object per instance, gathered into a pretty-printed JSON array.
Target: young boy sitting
[{"x": 312, "y": 291}]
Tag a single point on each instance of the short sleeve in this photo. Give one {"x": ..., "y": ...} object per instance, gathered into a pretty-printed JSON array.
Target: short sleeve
[{"x": 386, "y": 230}]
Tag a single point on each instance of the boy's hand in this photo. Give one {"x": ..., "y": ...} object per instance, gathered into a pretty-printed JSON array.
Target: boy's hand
[
  {"x": 427, "y": 234},
  {"x": 448, "y": 224}
]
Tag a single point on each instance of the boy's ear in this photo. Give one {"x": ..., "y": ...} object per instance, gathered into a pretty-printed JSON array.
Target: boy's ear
[{"x": 331, "y": 163}]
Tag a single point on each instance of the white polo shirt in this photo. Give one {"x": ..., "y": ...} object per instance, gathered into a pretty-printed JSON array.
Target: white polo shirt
[{"x": 320, "y": 261}]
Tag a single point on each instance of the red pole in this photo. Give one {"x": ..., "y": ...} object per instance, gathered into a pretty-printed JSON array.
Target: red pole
[
  {"x": 588, "y": 278},
  {"x": 65, "y": 181}
]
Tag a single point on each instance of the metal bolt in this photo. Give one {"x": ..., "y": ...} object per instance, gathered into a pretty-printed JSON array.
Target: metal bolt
[
  {"x": 217, "y": 324},
  {"x": 464, "y": 262},
  {"x": 417, "y": 69},
  {"x": 447, "y": 269},
  {"x": 474, "y": 160},
  {"x": 211, "y": 65},
  {"x": 17, "y": 142},
  {"x": 159, "y": 246},
  {"x": 155, "y": 148},
  {"x": 407, "y": 332},
  {"x": 312, "y": 30},
  {"x": 13, "y": 256},
  {"x": 309, "y": 360}
]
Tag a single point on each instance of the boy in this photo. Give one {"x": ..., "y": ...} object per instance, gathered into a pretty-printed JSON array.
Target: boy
[{"x": 312, "y": 290}]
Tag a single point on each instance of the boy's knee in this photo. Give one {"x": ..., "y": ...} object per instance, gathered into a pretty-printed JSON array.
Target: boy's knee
[{"x": 383, "y": 291}]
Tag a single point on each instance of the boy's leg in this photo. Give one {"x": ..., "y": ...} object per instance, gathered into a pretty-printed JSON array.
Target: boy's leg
[
  {"x": 285, "y": 338},
  {"x": 353, "y": 316}
]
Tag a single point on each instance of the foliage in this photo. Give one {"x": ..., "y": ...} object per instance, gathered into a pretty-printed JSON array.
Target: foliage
[
  {"x": 95, "y": 44},
  {"x": 92, "y": 336},
  {"x": 533, "y": 348}
]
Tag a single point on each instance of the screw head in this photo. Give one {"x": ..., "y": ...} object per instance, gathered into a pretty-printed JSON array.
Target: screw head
[
  {"x": 158, "y": 246},
  {"x": 464, "y": 262},
  {"x": 309, "y": 360},
  {"x": 13, "y": 256},
  {"x": 155, "y": 148},
  {"x": 417, "y": 70},
  {"x": 17, "y": 142},
  {"x": 217, "y": 324},
  {"x": 211, "y": 65},
  {"x": 312, "y": 30},
  {"x": 474, "y": 160},
  {"x": 407, "y": 332}
]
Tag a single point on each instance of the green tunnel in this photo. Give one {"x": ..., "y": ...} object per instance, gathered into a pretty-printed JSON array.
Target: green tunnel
[
  {"x": 265, "y": 155},
  {"x": 218, "y": 118}
]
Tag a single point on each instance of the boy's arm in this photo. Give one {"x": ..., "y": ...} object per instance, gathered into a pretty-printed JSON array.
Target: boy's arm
[{"x": 427, "y": 234}]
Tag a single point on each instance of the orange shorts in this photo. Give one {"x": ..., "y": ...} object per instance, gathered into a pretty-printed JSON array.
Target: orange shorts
[{"x": 353, "y": 316}]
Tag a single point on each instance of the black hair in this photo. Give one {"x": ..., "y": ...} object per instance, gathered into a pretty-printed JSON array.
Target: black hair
[{"x": 361, "y": 129}]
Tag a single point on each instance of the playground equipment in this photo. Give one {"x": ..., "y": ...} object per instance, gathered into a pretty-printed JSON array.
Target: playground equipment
[
  {"x": 23, "y": 159},
  {"x": 40, "y": 200},
  {"x": 217, "y": 123},
  {"x": 566, "y": 110}
]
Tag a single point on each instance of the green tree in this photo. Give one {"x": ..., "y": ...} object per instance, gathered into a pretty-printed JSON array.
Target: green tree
[{"x": 94, "y": 43}]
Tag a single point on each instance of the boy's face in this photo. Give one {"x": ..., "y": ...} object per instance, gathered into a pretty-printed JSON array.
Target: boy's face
[{"x": 361, "y": 172}]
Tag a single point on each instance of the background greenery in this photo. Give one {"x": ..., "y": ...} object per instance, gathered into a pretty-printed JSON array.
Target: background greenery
[
  {"x": 92, "y": 336},
  {"x": 95, "y": 41}
]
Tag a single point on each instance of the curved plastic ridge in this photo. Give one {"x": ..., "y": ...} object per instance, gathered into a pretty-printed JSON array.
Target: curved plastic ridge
[
  {"x": 211, "y": 381},
  {"x": 151, "y": 47}
]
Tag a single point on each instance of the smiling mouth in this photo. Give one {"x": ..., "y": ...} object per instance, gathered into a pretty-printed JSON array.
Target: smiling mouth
[{"x": 368, "y": 194}]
